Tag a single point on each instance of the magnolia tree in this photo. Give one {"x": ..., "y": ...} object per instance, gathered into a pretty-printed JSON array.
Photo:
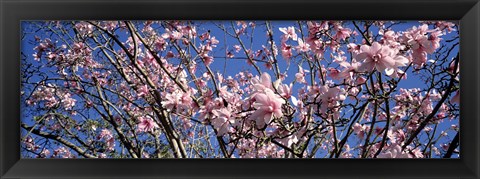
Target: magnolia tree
[{"x": 239, "y": 89}]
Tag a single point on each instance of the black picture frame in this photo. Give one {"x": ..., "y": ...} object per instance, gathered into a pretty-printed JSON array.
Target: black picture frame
[{"x": 13, "y": 11}]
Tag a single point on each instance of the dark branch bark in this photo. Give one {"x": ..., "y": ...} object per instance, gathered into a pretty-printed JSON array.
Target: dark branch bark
[
  {"x": 58, "y": 139},
  {"x": 453, "y": 146}
]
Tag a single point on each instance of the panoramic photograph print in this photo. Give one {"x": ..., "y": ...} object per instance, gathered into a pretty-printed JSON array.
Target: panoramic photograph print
[{"x": 240, "y": 89}]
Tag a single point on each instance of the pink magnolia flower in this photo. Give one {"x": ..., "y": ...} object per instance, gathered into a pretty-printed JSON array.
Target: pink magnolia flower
[
  {"x": 172, "y": 99},
  {"x": 84, "y": 28},
  {"x": 30, "y": 143},
  {"x": 334, "y": 73},
  {"x": 288, "y": 33},
  {"x": 352, "y": 47},
  {"x": 419, "y": 57},
  {"x": 288, "y": 141},
  {"x": 396, "y": 136},
  {"x": 265, "y": 82},
  {"x": 422, "y": 41},
  {"x": 68, "y": 102},
  {"x": 204, "y": 36},
  {"x": 160, "y": 44},
  {"x": 375, "y": 57},
  {"x": 285, "y": 90},
  {"x": 349, "y": 69},
  {"x": 286, "y": 51},
  {"x": 149, "y": 60},
  {"x": 46, "y": 94},
  {"x": 243, "y": 26},
  {"x": 143, "y": 90},
  {"x": 109, "y": 25},
  {"x": 302, "y": 47},
  {"x": 314, "y": 27},
  {"x": 300, "y": 76},
  {"x": 359, "y": 130},
  {"x": 361, "y": 80},
  {"x": 110, "y": 144},
  {"x": 45, "y": 153},
  {"x": 268, "y": 105},
  {"x": 426, "y": 43},
  {"x": 347, "y": 153},
  {"x": 222, "y": 120},
  {"x": 445, "y": 25},
  {"x": 379, "y": 57},
  {"x": 389, "y": 37},
  {"x": 341, "y": 32},
  {"x": 108, "y": 137},
  {"x": 214, "y": 41},
  {"x": 394, "y": 151},
  {"x": 62, "y": 152},
  {"x": 288, "y": 138},
  {"x": 400, "y": 61},
  {"x": 173, "y": 35},
  {"x": 329, "y": 98},
  {"x": 146, "y": 124},
  {"x": 237, "y": 48},
  {"x": 105, "y": 133},
  {"x": 417, "y": 153},
  {"x": 434, "y": 95},
  {"x": 332, "y": 95}
]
